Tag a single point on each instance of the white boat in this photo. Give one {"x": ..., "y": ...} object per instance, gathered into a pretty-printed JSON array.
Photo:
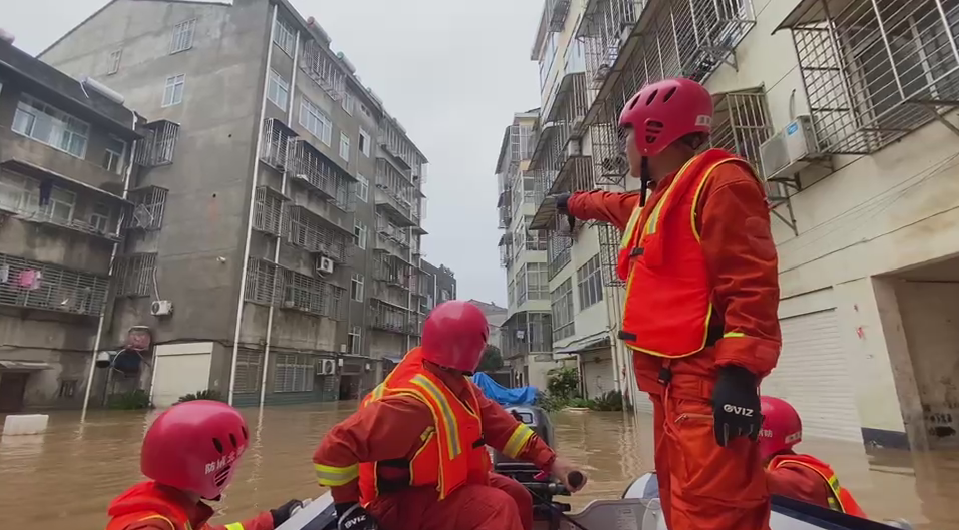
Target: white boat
[{"x": 637, "y": 509}]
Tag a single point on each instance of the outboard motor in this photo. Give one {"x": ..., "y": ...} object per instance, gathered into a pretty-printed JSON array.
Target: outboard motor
[{"x": 533, "y": 417}]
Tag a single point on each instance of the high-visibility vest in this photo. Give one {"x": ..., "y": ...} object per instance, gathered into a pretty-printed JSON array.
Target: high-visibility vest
[
  {"x": 668, "y": 289},
  {"x": 839, "y": 499},
  {"x": 453, "y": 451},
  {"x": 156, "y": 505}
]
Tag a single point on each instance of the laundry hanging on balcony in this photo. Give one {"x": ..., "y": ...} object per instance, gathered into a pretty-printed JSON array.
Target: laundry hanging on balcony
[{"x": 29, "y": 279}]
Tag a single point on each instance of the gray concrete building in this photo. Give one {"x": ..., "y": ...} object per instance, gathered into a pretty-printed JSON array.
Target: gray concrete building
[
  {"x": 65, "y": 150},
  {"x": 275, "y": 249}
]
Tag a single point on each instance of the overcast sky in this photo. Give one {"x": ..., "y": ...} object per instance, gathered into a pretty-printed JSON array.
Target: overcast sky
[{"x": 452, "y": 71}]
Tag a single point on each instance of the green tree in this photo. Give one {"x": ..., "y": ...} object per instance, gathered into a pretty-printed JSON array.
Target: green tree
[{"x": 492, "y": 359}]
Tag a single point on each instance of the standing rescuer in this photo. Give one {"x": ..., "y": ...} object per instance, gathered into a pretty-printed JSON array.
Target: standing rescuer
[
  {"x": 793, "y": 475},
  {"x": 700, "y": 314},
  {"x": 190, "y": 452},
  {"x": 414, "y": 455}
]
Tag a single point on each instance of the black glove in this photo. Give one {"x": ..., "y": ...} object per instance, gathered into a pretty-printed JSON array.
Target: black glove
[
  {"x": 283, "y": 513},
  {"x": 736, "y": 406},
  {"x": 562, "y": 208},
  {"x": 352, "y": 516}
]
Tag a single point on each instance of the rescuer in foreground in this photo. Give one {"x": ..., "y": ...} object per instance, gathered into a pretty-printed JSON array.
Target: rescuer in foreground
[
  {"x": 414, "y": 455},
  {"x": 700, "y": 315},
  {"x": 793, "y": 475},
  {"x": 190, "y": 452}
]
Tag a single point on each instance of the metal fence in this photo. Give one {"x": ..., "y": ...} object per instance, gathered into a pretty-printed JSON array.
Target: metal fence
[
  {"x": 35, "y": 284},
  {"x": 310, "y": 231},
  {"x": 278, "y": 143},
  {"x": 134, "y": 274},
  {"x": 312, "y": 167},
  {"x": 386, "y": 317},
  {"x": 158, "y": 143},
  {"x": 268, "y": 210}
]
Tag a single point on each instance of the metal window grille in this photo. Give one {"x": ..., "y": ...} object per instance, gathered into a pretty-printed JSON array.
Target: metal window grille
[
  {"x": 393, "y": 138},
  {"x": 387, "y": 233},
  {"x": 558, "y": 155},
  {"x": 386, "y": 317},
  {"x": 263, "y": 282},
  {"x": 158, "y": 143},
  {"x": 249, "y": 371},
  {"x": 415, "y": 327},
  {"x": 134, "y": 274},
  {"x": 527, "y": 333},
  {"x": 35, "y": 284},
  {"x": 562, "y": 310},
  {"x": 603, "y": 27},
  {"x": 741, "y": 124},
  {"x": 294, "y": 373},
  {"x": 609, "y": 240},
  {"x": 559, "y": 251},
  {"x": 278, "y": 142},
  {"x": 589, "y": 281},
  {"x": 313, "y": 296},
  {"x": 556, "y": 13},
  {"x": 506, "y": 249},
  {"x": 396, "y": 187},
  {"x": 874, "y": 70},
  {"x": 392, "y": 271},
  {"x": 149, "y": 203},
  {"x": 315, "y": 234},
  {"x": 323, "y": 69},
  {"x": 268, "y": 210},
  {"x": 314, "y": 168}
]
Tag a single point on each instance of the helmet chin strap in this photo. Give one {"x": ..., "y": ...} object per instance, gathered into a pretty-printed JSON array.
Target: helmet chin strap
[{"x": 644, "y": 179}]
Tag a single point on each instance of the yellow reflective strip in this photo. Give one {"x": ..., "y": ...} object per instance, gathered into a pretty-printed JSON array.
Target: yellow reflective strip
[
  {"x": 453, "y": 441},
  {"x": 734, "y": 335},
  {"x": 517, "y": 441},
  {"x": 158, "y": 516},
  {"x": 427, "y": 433},
  {"x": 234, "y": 526},
  {"x": 336, "y": 476},
  {"x": 630, "y": 226}
]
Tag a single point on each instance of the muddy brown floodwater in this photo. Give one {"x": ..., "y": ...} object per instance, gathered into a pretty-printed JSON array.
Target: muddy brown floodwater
[{"x": 63, "y": 480}]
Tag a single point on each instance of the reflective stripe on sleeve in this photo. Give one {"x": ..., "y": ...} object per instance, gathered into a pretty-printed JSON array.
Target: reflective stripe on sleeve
[
  {"x": 235, "y": 526},
  {"x": 331, "y": 476},
  {"x": 517, "y": 441}
]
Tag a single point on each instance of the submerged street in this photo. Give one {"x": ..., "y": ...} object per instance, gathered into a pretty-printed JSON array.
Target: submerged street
[{"x": 65, "y": 478}]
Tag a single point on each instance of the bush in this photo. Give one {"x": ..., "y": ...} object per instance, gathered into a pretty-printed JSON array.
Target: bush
[
  {"x": 581, "y": 403},
  {"x": 563, "y": 383},
  {"x": 132, "y": 400},
  {"x": 610, "y": 401},
  {"x": 211, "y": 395}
]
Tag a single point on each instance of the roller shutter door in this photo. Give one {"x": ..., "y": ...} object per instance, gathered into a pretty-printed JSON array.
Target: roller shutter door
[
  {"x": 598, "y": 376},
  {"x": 813, "y": 374}
]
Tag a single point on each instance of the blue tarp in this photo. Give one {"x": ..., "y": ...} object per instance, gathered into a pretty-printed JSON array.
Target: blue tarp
[{"x": 502, "y": 395}]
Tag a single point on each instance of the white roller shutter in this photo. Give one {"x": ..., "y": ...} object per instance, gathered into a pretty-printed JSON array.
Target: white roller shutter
[
  {"x": 598, "y": 376},
  {"x": 813, "y": 375}
]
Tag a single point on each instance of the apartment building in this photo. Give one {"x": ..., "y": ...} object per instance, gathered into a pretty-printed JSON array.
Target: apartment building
[
  {"x": 65, "y": 153},
  {"x": 847, "y": 111},
  {"x": 277, "y": 250}
]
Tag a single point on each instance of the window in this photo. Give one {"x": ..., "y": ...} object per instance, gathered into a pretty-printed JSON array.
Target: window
[
  {"x": 316, "y": 121},
  {"x": 348, "y": 103},
  {"x": 22, "y": 195},
  {"x": 444, "y": 295},
  {"x": 134, "y": 275},
  {"x": 537, "y": 281},
  {"x": 590, "y": 283},
  {"x": 344, "y": 147},
  {"x": 114, "y": 61},
  {"x": 173, "y": 90},
  {"x": 356, "y": 288},
  {"x": 113, "y": 155},
  {"x": 562, "y": 308},
  {"x": 51, "y": 126},
  {"x": 547, "y": 58},
  {"x": 182, "y": 36},
  {"x": 359, "y": 230},
  {"x": 279, "y": 90},
  {"x": 249, "y": 364},
  {"x": 355, "y": 340},
  {"x": 363, "y": 188},
  {"x": 284, "y": 36},
  {"x": 68, "y": 389},
  {"x": 294, "y": 373},
  {"x": 100, "y": 217},
  {"x": 364, "y": 142}
]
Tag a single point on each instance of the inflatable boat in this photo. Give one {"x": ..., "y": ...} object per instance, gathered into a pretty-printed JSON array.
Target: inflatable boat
[{"x": 637, "y": 509}]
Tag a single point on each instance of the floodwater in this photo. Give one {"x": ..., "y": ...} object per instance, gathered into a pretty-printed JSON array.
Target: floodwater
[{"x": 63, "y": 480}]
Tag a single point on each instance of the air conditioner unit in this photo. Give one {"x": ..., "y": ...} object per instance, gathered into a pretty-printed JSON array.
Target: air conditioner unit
[
  {"x": 574, "y": 148},
  {"x": 790, "y": 150},
  {"x": 161, "y": 308},
  {"x": 325, "y": 367},
  {"x": 324, "y": 266}
]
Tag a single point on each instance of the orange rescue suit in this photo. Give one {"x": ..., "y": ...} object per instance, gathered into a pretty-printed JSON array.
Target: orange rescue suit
[
  {"x": 383, "y": 444},
  {"x": 151, "y": 506},
  {"x": 811, "y": 480},
  {"x": 702, "y": 292}
]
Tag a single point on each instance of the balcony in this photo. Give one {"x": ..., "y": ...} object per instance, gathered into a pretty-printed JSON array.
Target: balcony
[
  {"x": 149, "y": 203},
  {"x": 319, "y": 65},
  {"x": 506, "y": 250},
  {"x": 322, "y": 176},
  {"x": 394, "y": 194},
  {"x": 313, "y": 233},
  {"x": 391, "y": 238},
  {"x": 527, "y": 333},
  {"x": 268, "y": 208},
  {"x": 392, "y": 271},
  {"x": 388, "y": 317},
  {"x": 558, "y": 251},
  {"x": 278, "y": 142},
  {"x": 32, "y": 284},
  {"x": 158, "y": 144},
  {"x": 875, "y": 71},
  {"x": 393, "y": 140},
  {"x": 312, "y": 296}
]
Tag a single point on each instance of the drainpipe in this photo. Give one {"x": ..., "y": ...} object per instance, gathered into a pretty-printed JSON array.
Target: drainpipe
[
  {"x": 276, "y": 251},
  {"x": 249, "y": 220},
  {"x": 113, "y": 257}
]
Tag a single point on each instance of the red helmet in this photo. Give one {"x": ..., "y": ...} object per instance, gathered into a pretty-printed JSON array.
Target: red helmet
[
  {"x": 665, "y": 111},
  {"x": 455, "y": 335},
  {"x": 782, "y": 428},
  {"x": 195, "y": 446}
]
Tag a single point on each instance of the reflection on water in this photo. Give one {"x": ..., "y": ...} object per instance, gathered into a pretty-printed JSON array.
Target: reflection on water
[{"x": 63, "y": 480}]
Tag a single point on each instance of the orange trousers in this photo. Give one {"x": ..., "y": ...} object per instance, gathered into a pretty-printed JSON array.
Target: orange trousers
[
  {"x": 703, "y": 486},
  {"x": 504, "y": 504}
]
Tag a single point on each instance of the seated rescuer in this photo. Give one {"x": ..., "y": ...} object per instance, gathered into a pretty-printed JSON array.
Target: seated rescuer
[
  {"x": 190, "y": 453},
  {"x": 414, "y": 456},
  {"x": 793, "y": 475},
  {"x": 700, "y": 312}
]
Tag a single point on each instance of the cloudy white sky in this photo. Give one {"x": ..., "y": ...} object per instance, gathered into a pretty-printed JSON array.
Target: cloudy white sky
[{"x": 452, "y": 71}]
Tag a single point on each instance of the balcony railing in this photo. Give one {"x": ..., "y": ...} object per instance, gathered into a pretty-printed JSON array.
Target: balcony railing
[
  {"x": 158, "y": 143},
  {"x": 319, "y": 65},
  {"x": 875, "y": 70},
  {"x": 149, "y": 202},
  {"x": 268, "y": 210},
  {"x": 316, "y": 170},
  {"x": 278, "y": 143},
  {"x": 558, "y": 251},
  {"x": 506, "y": 249},
  {"x": 394, "y": 194},
  {"x": 392, "y": 271},
  {"x": 274, "y": 285},
  {"x": 386, "y": 317},
  {"x": 32, "y": 284},
  {"x": 313, "y": 233},
  {"x": 527, "y": 333}
]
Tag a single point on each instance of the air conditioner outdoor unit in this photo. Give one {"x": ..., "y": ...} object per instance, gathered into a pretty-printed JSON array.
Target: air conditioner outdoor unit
[
  {"x": 574, "y": 148},
  {"x": 325, "y": 367},
  {"x": 790, "y": 150},
  {"x": 161, "y": 308},
  {"x": 324, "y": 266}
]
